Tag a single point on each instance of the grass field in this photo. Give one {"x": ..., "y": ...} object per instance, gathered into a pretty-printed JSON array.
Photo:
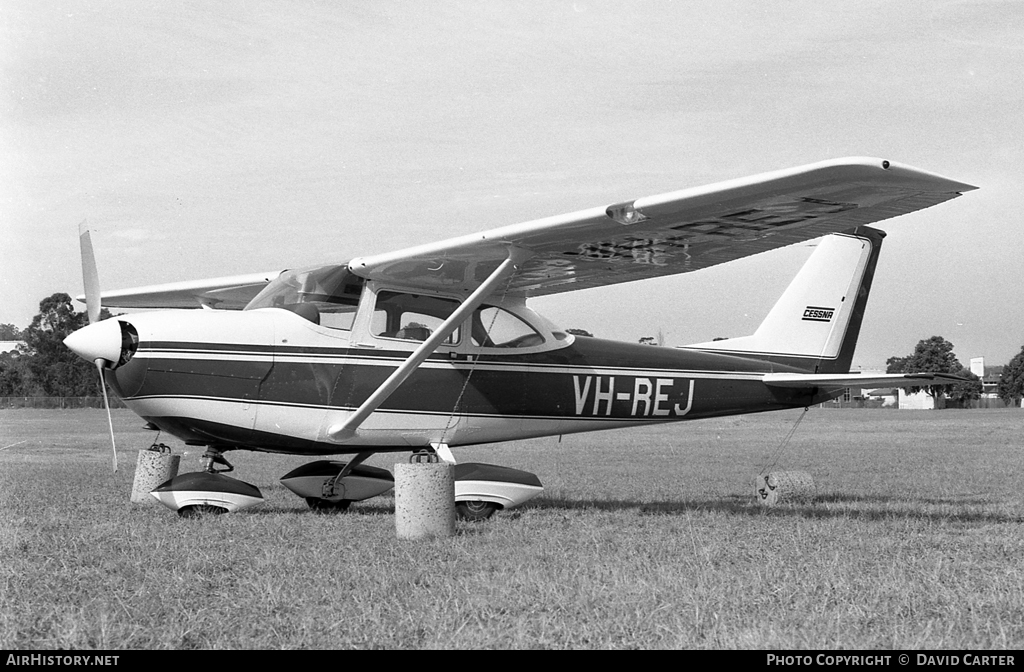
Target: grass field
[{"x": 643, "y": 539}]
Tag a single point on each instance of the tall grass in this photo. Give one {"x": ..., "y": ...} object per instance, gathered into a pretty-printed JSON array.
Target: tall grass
[{"x": 643, "y": 539}]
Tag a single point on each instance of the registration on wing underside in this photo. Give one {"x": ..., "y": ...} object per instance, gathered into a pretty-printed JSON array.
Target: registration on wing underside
[
  {"x": 632, "y": 396},
  {"x": 748, "y": 224}
]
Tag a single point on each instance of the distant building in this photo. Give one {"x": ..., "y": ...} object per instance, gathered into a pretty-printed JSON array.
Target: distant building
[
  {"x": 889, "y": 396},
  {"x": 990, "y": 382},
  {"x": 917, "y": 401},
  {"x": 9, "y": 346},
  {"x": 864, "y": 397}
]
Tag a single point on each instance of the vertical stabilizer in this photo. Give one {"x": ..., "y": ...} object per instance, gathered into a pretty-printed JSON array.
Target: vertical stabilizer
[{"x": 816, "y": 322}]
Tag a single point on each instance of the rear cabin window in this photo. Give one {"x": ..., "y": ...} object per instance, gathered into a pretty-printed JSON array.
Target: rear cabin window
[
  {"x": 495, "y": 327},
  {"x": 412, "y": 317}
]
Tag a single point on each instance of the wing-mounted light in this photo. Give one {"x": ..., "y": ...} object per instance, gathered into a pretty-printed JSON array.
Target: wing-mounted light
[{"x": 625, "y": 214}]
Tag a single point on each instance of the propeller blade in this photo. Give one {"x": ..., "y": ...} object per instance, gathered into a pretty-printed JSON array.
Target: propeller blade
[
  {"x": 106, "y": 405},
  {"x": 91, "y": 280},
  {"x": 90, "y": 274}
]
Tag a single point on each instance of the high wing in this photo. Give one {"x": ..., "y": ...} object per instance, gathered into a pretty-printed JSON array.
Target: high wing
[{"x": 672, "y": 233}]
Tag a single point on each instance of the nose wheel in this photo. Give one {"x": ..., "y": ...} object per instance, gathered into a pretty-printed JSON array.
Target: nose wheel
[
  {"x": 328, "y": 506},
  {"x": 200, "y": 510},
  {"x": 475, "y": 510}
]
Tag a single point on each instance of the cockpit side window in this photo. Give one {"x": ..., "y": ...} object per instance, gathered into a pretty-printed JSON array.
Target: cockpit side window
[
  {"x": 411, "y": 317},
  {"x": 494, "y": 327},
  {"x": 326, "y": 295}
]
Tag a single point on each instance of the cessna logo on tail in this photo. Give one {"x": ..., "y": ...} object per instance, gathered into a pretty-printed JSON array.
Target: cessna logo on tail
[{"x": 818, "y": 314}]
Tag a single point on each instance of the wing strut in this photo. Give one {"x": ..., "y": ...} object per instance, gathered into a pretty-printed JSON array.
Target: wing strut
[{"x": 347, "y": 429}]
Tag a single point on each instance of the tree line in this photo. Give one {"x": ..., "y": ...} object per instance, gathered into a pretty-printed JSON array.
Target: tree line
[
  {"x": 42, "y": 366},
  {"x": 935, "y": 355}
]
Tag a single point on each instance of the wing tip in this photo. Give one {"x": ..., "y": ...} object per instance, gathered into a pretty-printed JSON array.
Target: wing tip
[{"x": 930, "y": 181}]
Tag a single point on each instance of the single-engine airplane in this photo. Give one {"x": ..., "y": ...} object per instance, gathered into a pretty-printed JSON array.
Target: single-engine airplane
[{"x": 434, "y": 347}]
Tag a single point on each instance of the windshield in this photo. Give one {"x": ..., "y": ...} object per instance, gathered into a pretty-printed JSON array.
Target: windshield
[{"x": 325, "y": 295}]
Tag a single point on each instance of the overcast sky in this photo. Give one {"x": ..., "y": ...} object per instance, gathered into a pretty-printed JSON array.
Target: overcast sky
[{"x": 217, "y": 138}]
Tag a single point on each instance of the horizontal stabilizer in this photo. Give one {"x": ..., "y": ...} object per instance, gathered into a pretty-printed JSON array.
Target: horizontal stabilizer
[{"x": 808, "y": 380}]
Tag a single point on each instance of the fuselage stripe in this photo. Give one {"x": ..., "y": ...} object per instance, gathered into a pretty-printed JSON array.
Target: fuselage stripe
[
  {"x": 442, "y": 364},
  {"x": 383, "y": 411}
]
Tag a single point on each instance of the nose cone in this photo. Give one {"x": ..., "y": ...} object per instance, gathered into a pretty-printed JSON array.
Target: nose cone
[{"x": 99, "y": 340}]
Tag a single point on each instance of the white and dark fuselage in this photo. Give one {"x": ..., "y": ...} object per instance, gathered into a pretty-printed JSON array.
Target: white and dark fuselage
[{"x": 287, "y": 382}]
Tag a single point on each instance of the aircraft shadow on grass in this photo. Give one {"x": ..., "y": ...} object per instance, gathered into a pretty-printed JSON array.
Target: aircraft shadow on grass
[
  {"x": 857, "y": 507},
  {"x": 862, "y": 507}
]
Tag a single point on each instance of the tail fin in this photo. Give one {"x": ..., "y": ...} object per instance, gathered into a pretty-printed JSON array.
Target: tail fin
[{"x": 816, "y": 322}]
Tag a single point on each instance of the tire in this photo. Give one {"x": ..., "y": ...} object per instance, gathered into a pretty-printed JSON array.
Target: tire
[
  {"x": 475, "y": 510},
  {"x": 327, "y": 506},
  {"x": 201, "y": 510}
]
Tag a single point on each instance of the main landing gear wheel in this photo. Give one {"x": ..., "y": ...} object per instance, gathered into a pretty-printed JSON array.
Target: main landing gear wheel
[
  {"x": 200, "y": 510},
  {"x": 475, "y": 510},
  {"x": 327, "y": 506}
]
